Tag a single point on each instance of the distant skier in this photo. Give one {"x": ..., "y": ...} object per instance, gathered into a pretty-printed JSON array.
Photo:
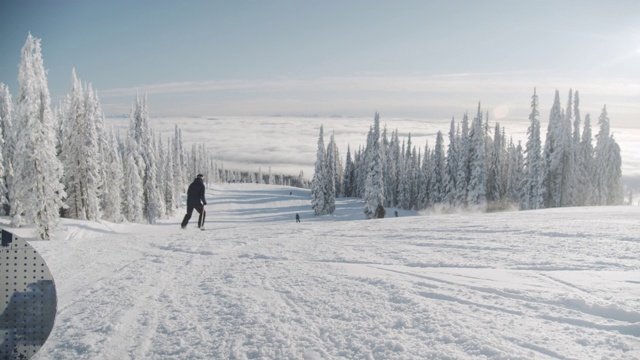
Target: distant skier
[
  {"x": 297, "y": 218},
  {"x": 195, "y": 200}
]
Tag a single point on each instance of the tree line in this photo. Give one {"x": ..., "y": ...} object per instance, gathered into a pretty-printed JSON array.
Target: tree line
[{"x": 479, "y": 167}]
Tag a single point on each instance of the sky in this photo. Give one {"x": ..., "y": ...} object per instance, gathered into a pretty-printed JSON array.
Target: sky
[{"x": 427, "y": 59}]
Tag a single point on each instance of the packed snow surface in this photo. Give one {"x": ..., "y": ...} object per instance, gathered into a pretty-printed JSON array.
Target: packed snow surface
[{"x": 548, "y": 284}]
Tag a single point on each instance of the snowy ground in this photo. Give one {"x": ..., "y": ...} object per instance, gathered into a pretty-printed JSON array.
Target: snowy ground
[{"x": 550, "y": 284}]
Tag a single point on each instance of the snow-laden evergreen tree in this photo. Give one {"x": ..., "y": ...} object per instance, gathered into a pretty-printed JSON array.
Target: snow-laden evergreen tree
[
  {"x": 532, "y": 190},
  {"x": 133, "y": 206},
  {"x": 338, "y": 172},
  {"x": 464, "y": 166},
  {"x": 608, "y": 185},
  {"x": 39, "y": 193},
  {"x": 404, "y": 178},
  {"x": 318, "y": 188},
  {"x": 171, "y": 190},
  {"x": 451, "y": 168},
  {"x": 577, "y": 197},
  {"x": 349, "y": 174},
  {"x": 141, "y": 131},
  {"x": 586, "y": 166},
  {"x": 113, "y": 186},
  {"x": 476, "y": 188},
  {"x": 374, "y": 186},
  {"x": 438, "y": 175},
  {"x": 558, "y": 157},
  {"x": 161, "y": 178},
  {"x": 391, "y": 171},
  {"x": 179, "y": 176},
  {"x": 96, "y": 115},
  {"x": 415, "y": 177},
  {"x": 515, "y": 173},
  {"x": 81, "y": 156},
  {"x": 426, "y": 170},
  {"x": 357, "y": 169},
  {"x": 179, "y": 164},
  {"x": 330, "y": 176},
  {"x": 569, "y": 180},
  {"x": 7, "y": 144},
  {"x": 495, "y": 175},
  {"x": 552, "y": 155}
]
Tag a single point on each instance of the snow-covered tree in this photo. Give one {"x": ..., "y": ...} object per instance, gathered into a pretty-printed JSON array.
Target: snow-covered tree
[
  {"x": 81, "y": 156},
  {"x": 608, "y": 185},
  {"x": 585, "y": 166},
  {"x": 426, "y": 170},
  {"x": 374, "y": 186},
  {"x": 349, "y": 174},
  {"x": 404, "y": 177},
  {"x": 515, "y": 173},
  {"x": 153, "y": 205},
  {"x": 477, "y": 163},
  {"x": 451, "y": 168},
  {"x": 558, "y": 157},
  {"x": 438, "y": 175},
  {"x": 112, "y": 192},
  {"x": 318, "y": 188},
  {"x": 330, "y": 176},
  {"x": 38, "y": 195},
  {"x": 464, "y": 166},
  {"x": 532, "y": 191},
  {"x": 7, "y": 144},
  {"x": 133, "y": 186}
]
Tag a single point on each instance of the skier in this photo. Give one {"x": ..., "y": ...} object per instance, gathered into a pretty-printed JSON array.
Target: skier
[
  {"x": 297, "y": 218},
  {"x": 195, "y": 200}
]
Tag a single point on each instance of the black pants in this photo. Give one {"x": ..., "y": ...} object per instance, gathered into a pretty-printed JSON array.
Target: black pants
[{"x": 200, "y": 209}]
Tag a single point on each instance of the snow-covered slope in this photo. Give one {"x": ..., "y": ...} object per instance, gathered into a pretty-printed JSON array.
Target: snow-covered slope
[{"x": 550, "y": 284}]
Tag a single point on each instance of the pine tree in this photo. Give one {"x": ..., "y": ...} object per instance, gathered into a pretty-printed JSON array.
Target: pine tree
[
  {"x": 112, "y": 198},
  {"x": 179, "y": 176},
  {"x": 515, "y": 173},
  {"x": 464, "y": 166},
  {"x": 568, "y": 157},
  {"x": 330, "y": 177},
  {"x": 404, "y": 178},
  {"x": 374, "y": 186},
  {"x": 133, "y": 186},
  {"x": 142, "y": 134},
  {"x": 390, "y": 171},
  {"x": 451, "y": 169},
  {"x": 348, "y": 177},
  {"x": 553, "y": 155},
  {"x": 586, "y": 167},
  {"x": 608, "y": 186},
  {"x": 495, "y": 187},
  {"x": 40, "y": 198},
  {"x": 7, "y": 144},
  {"x": 426, "y": 170},
  {"x": 477, "y": 162},
  {"x": 532, "y": 191},
  {"x": 438, "y": 177},
  {"x": 318, "y": 187},
  {"x": 81, "y": 156},
  {"x": 171, "y": 190}
]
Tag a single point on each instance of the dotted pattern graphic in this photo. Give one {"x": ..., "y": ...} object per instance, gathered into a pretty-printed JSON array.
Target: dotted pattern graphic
[{"x": 27, "y": 299}]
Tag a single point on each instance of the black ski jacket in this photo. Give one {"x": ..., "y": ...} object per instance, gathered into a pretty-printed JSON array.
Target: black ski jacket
[{"x": 195, "y": 193}]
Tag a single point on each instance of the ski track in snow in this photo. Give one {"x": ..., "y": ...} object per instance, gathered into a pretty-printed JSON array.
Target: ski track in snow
[{"x": 548, "y": 284}]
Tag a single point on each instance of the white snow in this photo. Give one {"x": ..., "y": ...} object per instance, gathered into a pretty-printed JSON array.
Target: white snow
[{"x": 547, "y": 284}]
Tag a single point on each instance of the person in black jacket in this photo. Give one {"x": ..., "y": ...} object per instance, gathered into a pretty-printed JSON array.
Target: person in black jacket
[{"x": 195, "y": 200}]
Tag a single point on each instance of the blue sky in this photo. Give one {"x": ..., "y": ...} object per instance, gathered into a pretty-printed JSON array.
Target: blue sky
[{"x": 429, "y": 59}]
